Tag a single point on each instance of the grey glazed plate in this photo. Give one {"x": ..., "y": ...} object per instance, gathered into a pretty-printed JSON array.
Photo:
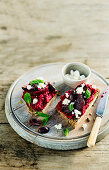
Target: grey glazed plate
[{"x": 18, "y": 116}]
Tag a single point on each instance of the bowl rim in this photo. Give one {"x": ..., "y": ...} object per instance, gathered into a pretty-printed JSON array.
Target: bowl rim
[{"x": 78, "y": 63}]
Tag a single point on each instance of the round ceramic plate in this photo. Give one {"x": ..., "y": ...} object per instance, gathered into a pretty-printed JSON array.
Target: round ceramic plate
[{"x": 18, "y": 116}]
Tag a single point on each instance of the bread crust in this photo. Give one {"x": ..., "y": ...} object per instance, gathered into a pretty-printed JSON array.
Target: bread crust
[
  {"x": 32, "y": 111},
  {"x": 74, "y": 122}
]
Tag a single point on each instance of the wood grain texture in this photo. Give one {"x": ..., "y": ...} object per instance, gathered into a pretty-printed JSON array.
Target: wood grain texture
[{"x": 38, "y": 32}]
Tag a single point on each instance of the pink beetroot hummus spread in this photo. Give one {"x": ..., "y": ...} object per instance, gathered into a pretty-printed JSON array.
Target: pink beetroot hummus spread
[
  {"x": 40, "y": 96},
  {"x": 77, "y": 101}
]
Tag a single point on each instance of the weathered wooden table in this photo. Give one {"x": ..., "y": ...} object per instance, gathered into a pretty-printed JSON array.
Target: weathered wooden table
[{"x": 38, "y": 32}]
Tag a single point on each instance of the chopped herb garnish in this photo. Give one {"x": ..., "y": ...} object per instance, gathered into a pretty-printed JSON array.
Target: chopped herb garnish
[
  {"x": 71, "y": 107},
  {"x": 27, "y": 98},
  {"x": 66, "y": 131},
  {"x": 37, "y": 81},
  {"x": 45, "y": 120},
  {"x": 87, "y": 94},
  {"x": 42, "y": 114},
  {"x": 46, "y": 117}
]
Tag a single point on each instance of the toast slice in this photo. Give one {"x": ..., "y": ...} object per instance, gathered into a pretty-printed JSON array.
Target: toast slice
[
  {"x": 38, "y": 95},
  {"x": 75, "y": 104}
]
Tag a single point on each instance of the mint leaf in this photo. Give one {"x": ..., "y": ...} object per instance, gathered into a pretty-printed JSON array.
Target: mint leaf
[
  {"x": 71, "y": 107},
  {"x": 87, "y": 94},
  {"x": 45, "y": 120},
  {"x": 37, "y": 81},
  {"x": 27, "y": 98},
  {"x": 43, "y": 114},
  {"x": 46, "y": 117},
  {"x": 66, "y": 131}
]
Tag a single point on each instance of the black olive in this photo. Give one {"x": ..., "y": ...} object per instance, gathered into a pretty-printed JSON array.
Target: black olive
[
  {"x": 43, "y": 130},
  {"x": 35, "y": 122}
]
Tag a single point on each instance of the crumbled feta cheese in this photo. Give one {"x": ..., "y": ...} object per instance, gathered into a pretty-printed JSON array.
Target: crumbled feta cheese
[
  {"x": 82, "y": 77},
  {"x": 28, "y": 87},
  {"x": 41, "y": 85},
  {"x": 77, "y": 117},
  {"x": 82, "y": 85},
  {"x": 79, "y": 90},
  {"x": 84, "y": 126},
  {"x": 59, "y": 126},
  {"x": 76, "y": 74},
  {"x": 93, "y": 86},
  {"x": 71, "y": 72},
  {"x": 35, "y": 100},
  {"x": 77, "y": 113},
  {"x": 72, "y": 103},
  {"x": 67, "y": 95},
  {"x": 72, "y": 113},
  {"x": 66, "y": 102}
]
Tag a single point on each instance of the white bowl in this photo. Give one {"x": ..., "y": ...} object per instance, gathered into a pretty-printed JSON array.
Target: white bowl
[{"x": 82, "y": 68}]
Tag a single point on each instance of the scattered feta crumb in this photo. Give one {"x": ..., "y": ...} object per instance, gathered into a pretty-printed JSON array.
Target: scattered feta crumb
[
  {"x": 67, "y": 95},
  {"x": 41, "y": 85},
  {"x": 72, "y": 113},
  {"x": 93, "y": 86},
  {"x": 82, "y": 85},
  {"x": 84, "y": 126},
  {"x": 66, "y": 102},
  {"x": 59, "y": 126},
  {"x": 79, "y": 90},
  {"x": 28, "y": 87},
  {"x": 77, "y": 113},
  {"x": 35, "y": 100}
]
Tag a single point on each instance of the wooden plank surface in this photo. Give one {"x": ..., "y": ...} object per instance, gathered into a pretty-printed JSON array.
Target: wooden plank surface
[{"x": 39, "y": 32}]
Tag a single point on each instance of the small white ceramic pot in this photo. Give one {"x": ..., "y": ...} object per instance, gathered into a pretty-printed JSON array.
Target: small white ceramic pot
[{"x": 83, "y": 70}]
